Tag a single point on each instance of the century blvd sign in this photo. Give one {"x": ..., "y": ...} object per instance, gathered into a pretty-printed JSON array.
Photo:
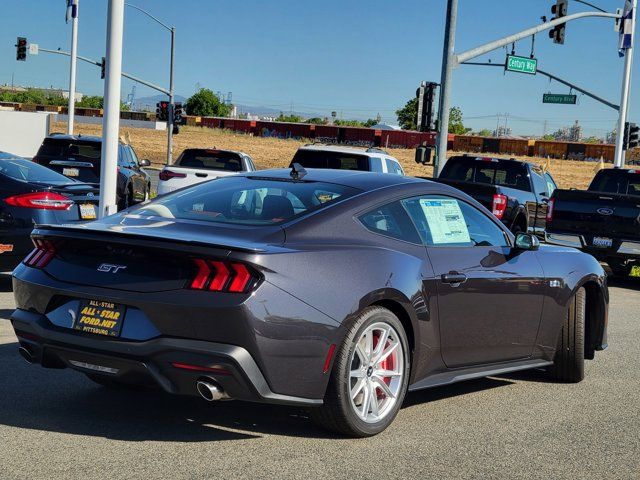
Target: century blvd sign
[{"x": 518, "y": 64}]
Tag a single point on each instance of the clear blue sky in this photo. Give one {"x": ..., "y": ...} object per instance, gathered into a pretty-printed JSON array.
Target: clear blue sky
[{"x": 359, "y": 57}]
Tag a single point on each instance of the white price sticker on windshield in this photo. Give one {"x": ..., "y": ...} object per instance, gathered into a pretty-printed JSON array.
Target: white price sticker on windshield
[{"x": 445, "y": 220}]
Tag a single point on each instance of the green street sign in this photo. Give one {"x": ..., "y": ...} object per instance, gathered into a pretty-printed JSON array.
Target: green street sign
[
  {"x": 560, "y": 98},
  {"x": 518, "y": 64}
]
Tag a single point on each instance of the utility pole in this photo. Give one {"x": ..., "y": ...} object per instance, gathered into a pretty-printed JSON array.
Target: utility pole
[
  {"x": 619, "y": 157},
  {"x": 171, "y": 98},
  {"x": 111, "y": 120},
  {"x": 72, "y": 5},
  {"x": 445, "y": 85}
]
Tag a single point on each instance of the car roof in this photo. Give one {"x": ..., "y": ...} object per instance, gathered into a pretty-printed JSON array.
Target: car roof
[
  {"x": 348, "y": 178},
  {"x": 346, "y": 149},
  {"x": 83, "y": 138},
  {"x": 486, "y": 158},
  {"x": 9, "y": 156},
  {"x": 214, "y": 149}
]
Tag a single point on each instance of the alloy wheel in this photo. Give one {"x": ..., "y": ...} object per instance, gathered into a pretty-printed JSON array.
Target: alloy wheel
[{"x": 377, "y": 372}]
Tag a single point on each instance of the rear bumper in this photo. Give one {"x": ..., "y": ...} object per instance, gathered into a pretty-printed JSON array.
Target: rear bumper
[
  {"x": 169, "y": 363},
  {"x": 623, "y": 249}
]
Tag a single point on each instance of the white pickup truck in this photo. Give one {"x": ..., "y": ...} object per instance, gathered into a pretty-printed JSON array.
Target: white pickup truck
[{"x": 197, "y": 165}]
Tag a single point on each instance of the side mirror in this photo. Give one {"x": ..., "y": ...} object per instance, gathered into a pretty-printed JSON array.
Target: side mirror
[
  {"x": 527, "y": 241},
  {"x": 145, "y": 163},
  {"x": 425, "y": 155}
]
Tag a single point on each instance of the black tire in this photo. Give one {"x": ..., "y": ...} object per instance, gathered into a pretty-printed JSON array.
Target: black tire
[
  {"x": 568, "y": 363},
  {"x": 125, "y": 201},
  {"x": 337, "y": 414}
]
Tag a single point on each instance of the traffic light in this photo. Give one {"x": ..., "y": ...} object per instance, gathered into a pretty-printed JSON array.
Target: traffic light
[
  {"x": 631, "y": 137},
  {"x": 21, "y": 46},
  {"x": 162, "y": 111},
  {"x": 103, "y": 67},
  {"x": 559, "y": 10},
  {"x": 177, "y": 114},
  {"x": 426, "y": 98}
]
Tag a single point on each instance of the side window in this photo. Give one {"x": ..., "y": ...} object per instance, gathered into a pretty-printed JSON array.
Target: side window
[
  {"x": 393, "y": 167},
  {"x": 551, "y": 184},
  {"x": 134, "y": 157},
  {"x": 392, "y": 221},
  {"x": 375, "y": 164},
  {"x": 250, "y": 166},
  {"x": 448, "y": 222},
  {"x": 539, "y": 184},
  {"x": 125, "y": 156}
]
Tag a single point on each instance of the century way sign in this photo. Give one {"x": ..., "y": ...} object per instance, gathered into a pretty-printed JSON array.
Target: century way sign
[{"x": 518, "y": 64}]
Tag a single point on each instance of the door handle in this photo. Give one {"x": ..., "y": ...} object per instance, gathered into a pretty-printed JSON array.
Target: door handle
[
  {"x": 201, "y": 175},
  {"x": 454, "y": 278}
]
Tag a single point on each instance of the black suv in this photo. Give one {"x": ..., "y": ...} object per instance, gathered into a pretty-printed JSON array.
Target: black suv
[{"x": 79, "y": 158}]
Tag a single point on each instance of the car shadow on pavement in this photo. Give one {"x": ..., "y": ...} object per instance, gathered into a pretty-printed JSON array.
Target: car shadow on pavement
[{"x": 65, "y": 401}]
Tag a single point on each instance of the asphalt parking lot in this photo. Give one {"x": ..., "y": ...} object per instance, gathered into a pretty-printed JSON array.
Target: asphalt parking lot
[{"x": 57, "y": 424}]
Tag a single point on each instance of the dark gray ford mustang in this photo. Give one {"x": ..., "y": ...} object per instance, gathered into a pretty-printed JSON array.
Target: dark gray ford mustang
[{"x": 335, "y": 290}]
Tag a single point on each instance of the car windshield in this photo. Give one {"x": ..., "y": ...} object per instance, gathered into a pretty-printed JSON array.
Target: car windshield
[
  {"x": 488, "y": 171},
  {"x": 27, "y": 171},
  {"x": 210, "y": 160},
  {"x": 328, "y": 159},
  {"x": 247, "y": 200}
]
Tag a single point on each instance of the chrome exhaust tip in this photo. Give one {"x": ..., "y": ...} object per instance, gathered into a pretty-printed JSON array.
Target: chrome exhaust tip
[
  {"x": 26, "y": 354},
  {"x": 209, "y": 391}
]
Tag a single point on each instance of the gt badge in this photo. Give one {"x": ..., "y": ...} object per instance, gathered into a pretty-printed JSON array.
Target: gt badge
[{"x": 110, "y": 268}]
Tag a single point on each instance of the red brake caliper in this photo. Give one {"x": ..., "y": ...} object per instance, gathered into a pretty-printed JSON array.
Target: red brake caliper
[{"x": 386, "y": 364}]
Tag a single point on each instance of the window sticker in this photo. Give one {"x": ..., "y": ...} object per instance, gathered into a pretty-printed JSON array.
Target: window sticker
[{"x": 446, "y": 222}]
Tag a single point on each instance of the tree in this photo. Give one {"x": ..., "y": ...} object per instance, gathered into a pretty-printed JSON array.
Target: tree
[
  {"x": 316, "y": 121},
  {"x": 205, "y": 103},
  {"x": 408, "y": 115},
  {"x": 291, "y": 118},
  {"x": 91, "y": 101},
  {"x": 455, "y": 122},
  {"x": 548, "y": 137},
  {"x": 485, "y": 132}
]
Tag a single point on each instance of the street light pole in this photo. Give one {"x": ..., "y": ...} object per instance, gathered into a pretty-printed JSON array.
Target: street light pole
[
  {"x": 171, "y": 104},
  {"x": 619, "y": 157},
  {"x": 111, "y": 120},
  {"x": 171, "y": 30},
  {"x": 445, "y": 86},
  {"x": 74, "y": 61}
]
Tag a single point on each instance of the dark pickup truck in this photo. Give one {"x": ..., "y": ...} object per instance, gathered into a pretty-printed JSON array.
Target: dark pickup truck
[
  {"x": 516, "y": 192},
  {"x": 604, "y": 220}
]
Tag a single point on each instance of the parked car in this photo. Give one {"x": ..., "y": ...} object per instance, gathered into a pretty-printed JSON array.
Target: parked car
[
  {"x": 347, "y": 158},
  {"x": 31, "y": 194},
  {"x": 196, "y": 165},
  {"x": 516, "y": 192},
  {"x": 328, "y": 289},
  {"x": 79, "y": 158},
  {"x": 604, "y": 220}
]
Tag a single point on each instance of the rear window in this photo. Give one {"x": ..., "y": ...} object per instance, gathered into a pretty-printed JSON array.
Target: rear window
[
  {"x": 506, "y": 174},
  {"x": 333, "y": 160},
  {"x": 25, "y": 170},
  {"x": 247, "y": 200},
  {"x": 211, "y": 160},
  {"x": 66, "y": 149},
  {"x": 617, "y": 181}
]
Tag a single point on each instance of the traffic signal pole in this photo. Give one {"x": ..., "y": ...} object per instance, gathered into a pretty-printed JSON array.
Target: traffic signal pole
[
  {"x": 445, "y": 86},
  {"x": 72, "y": 69},
  {"x": 451, "y": 60},
  {"x": 111, "y": 120},
  {"x": 619, "y": 158}
]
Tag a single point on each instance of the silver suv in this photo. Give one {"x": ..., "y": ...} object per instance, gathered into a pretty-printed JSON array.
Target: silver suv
[{"x": 347, "y": 158}]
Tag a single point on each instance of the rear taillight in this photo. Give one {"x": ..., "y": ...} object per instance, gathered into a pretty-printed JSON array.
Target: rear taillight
[
  {"x": 218, "y": 276},
  {"x": 499, "y": 205},
  {"x": 168, "y": 175},
  {"x": 550, "y": 210},
  {"x": 41, "y": 200},
  {"x": 40, "y": 257}
]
